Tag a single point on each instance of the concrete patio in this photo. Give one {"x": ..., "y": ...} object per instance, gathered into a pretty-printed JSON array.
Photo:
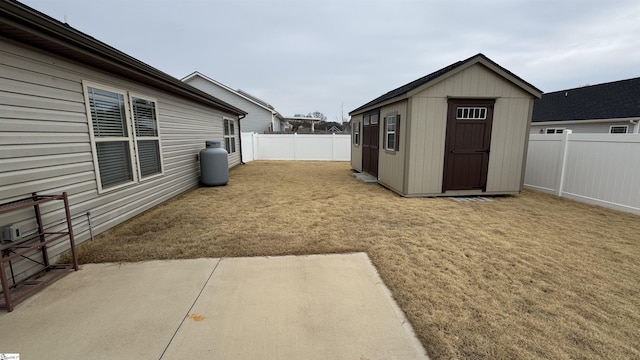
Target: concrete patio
[{"x": 290, "y": 307}]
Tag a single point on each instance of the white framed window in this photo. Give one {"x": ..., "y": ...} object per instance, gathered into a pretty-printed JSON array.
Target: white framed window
[
  {"x": 392, "y": 132},
  {"x": 355, "y": 129},
  {"x": 554, "y": 130},
  {"x": 229, "y": 136},
  {"x": 146, "y": 135},
  {"x": 125, "y": 137},
  {"x": 618, "y": 129},
  {"x": 471, "y": 113}
]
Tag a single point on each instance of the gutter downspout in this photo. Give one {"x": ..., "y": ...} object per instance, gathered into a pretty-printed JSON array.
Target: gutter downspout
[
  {"x": 636, "y": 127},
  {"x": 240, "y": 117}
]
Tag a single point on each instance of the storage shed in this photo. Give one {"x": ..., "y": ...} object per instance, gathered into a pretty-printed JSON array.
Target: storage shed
[{"x": 462, "y": 130}]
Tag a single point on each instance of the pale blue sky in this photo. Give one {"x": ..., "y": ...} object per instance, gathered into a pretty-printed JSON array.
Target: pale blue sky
[{"x": 303, "y": 56}]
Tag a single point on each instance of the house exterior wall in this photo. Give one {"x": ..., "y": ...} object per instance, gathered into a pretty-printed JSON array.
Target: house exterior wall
[
  {"x": 258, "y": 118},
  {"x": 45, "y": 143},
  {"x": 584, "y": 128},
  {"x": 391, "y": 163},
  {"x": 356, "y": 150},
  {"x": 428, "y": 116}
]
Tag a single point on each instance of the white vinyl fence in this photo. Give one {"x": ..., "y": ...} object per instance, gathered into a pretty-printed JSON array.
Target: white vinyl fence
[
  {"x": 328, "y": 147},
  {"x": 599, "y": 169}
]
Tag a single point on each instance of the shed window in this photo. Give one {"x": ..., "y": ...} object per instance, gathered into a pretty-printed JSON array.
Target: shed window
[
  {"x": 472, "y": 113},
  {"x": 229, "y": 136},
  {"x": 392, "y": 132},
  {"x": 125, "y": 150},
  {"x": 554, "y": 130},
  {"x": 355, "y": 129},
  {"x": 618, "y": 129}
]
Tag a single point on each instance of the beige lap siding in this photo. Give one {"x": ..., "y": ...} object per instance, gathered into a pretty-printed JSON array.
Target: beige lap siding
[{"x": 45, "y": 145}]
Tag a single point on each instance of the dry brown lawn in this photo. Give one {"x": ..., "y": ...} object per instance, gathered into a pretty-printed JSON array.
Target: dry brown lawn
[{"x": 529, "y": 276}]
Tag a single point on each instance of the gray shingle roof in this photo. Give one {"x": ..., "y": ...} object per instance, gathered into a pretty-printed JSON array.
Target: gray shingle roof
[{"x": 612, "y": 100}]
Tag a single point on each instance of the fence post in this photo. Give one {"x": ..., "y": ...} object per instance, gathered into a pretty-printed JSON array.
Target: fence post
[
  {"x": 295, "y": 145},
  {"x": 563, "y": 160},
  {"x": 254, "y": 141},
  {"x": 333, "y": 146}
]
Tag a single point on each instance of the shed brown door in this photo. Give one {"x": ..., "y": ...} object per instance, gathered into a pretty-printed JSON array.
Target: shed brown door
[
  {"x": 370, "y": 140},
  {"x": 466, "y": 159}
]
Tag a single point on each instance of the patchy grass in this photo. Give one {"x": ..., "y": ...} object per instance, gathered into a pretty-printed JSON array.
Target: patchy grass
[{"x": 529, "y": 276}]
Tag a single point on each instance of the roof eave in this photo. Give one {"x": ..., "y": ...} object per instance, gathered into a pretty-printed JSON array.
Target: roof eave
[
  {"x": 24, "y": 24},
  {"x": 481, "y": 59},
  {"x": 379, "y": 105},
  {"x": 455, "y": 69},
  {"x": 225, "y": 87}
]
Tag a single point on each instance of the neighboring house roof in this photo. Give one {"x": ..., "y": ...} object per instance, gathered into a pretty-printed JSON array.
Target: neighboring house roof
[
  {"x": 418, "y": 85},
  {"x": 27, "y": 25},
  {"x": 334, "y": 128},
  {"x": 255, "y": 99},
  {"x": 612, "y": 100},
  {"x": 242, "y": 94}
]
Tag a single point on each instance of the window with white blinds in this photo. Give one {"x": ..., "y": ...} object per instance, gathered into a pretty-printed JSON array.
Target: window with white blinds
[
  {"x": 124, "y": 136},
  {"x": 146, "y": 136}
]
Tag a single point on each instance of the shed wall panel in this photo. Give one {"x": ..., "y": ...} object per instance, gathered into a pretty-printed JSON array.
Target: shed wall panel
[
  {"x": 391, "y": 163},
  {"x": 428, "y": 130},
  {"x": 508, "y": 144},
  {"x": 45, "y": 145},
  {"x": 356, "y": 150}
]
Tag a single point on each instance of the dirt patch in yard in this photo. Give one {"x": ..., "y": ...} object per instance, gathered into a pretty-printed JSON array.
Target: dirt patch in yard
[{"x": 528, "y": 276}]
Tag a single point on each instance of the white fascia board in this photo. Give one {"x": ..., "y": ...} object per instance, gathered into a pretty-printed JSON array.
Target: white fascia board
[
  {"x": 302, "y": 118},
  {"x": 584, "y": 121},
  {"x": 195, "y": 74}
]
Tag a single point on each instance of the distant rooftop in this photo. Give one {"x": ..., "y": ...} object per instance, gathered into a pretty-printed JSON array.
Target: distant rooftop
[
  {"x": 612, "y": 100},
  {"x": 256, "y": 99}
]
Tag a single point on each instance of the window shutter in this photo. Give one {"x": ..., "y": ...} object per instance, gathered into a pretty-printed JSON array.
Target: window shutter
[
  {"x": 397, "y": 132},
  {"x": 385, "y": 145}
]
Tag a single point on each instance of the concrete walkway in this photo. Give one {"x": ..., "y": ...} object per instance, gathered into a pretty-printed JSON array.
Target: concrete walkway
[{"x": 291, "y": 307}]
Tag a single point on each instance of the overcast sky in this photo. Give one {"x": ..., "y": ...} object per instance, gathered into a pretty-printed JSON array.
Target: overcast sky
[{"x": 303, "y": 56}]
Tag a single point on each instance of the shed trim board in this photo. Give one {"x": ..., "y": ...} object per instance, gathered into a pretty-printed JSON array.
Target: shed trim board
[
  {"x": 46, "y": 143},
  {"x": 418, "y": 166}
]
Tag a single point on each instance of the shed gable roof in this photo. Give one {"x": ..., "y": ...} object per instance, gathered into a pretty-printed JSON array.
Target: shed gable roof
[
  {"x": 420, "y": 84},
  {"x": 612, "y": 100},
  {"x": 29, "y": 26}
]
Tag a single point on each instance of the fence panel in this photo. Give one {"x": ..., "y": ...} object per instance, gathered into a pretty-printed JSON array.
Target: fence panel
[
  {"x": 600, "y": 169},
  {"x": 325, "y": 147},
  {"x": 247, "y": 147}
]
